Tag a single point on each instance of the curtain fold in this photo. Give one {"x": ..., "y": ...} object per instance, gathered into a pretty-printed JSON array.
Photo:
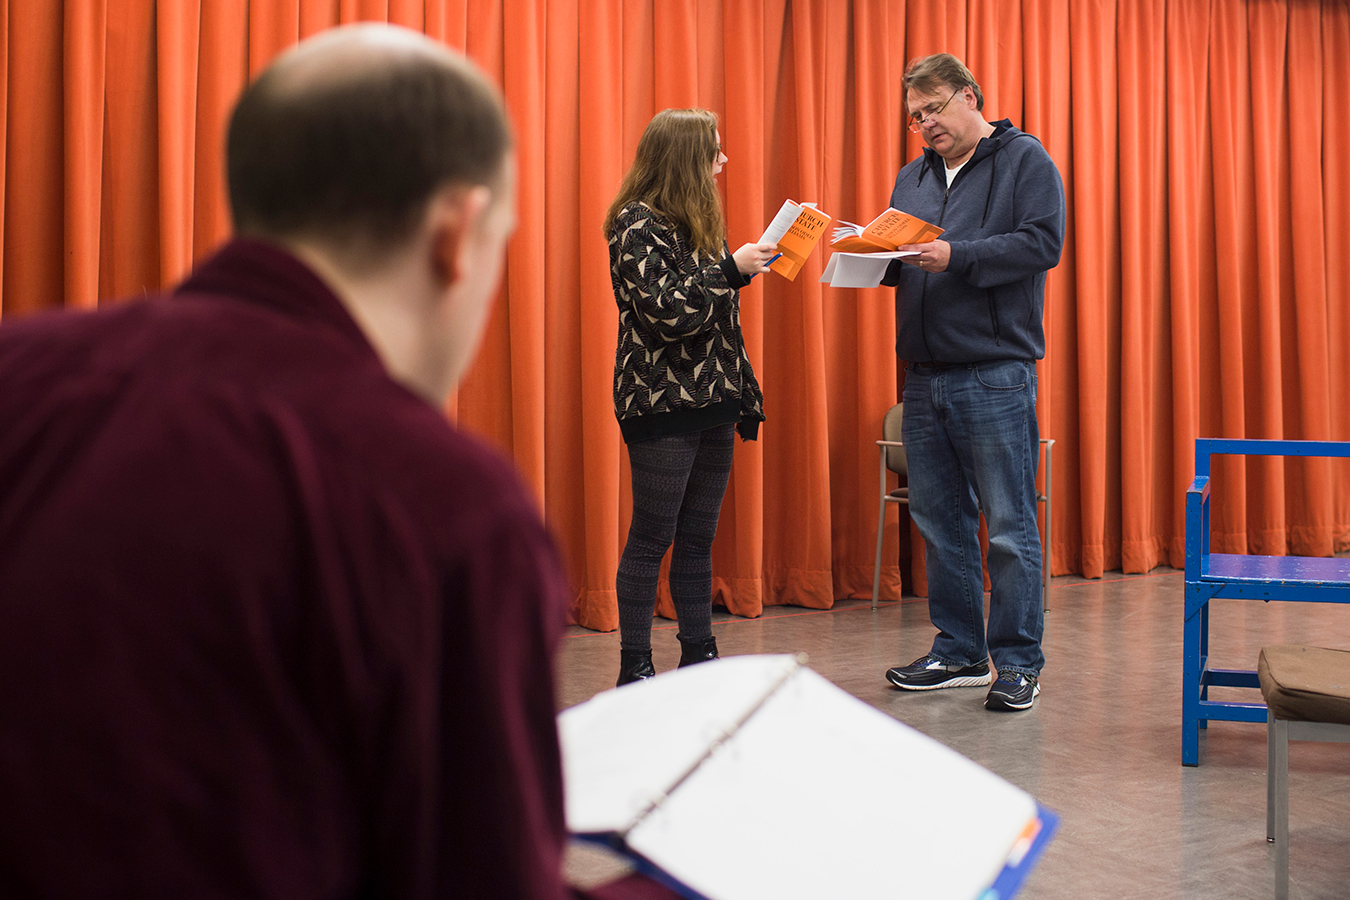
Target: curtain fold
[
  {"x": 35, "y": 178},
  {"x": 176, "y": 54},
  {"x": 1334, "y": 35},
  {"x": 1046, "y": 42},
  {"x": 223, "y": 57},
  {"x": 4, "y": 132},
  {"x": 739, "y": 552},
  {"x": 589, "y": 520},
  {"x": 1191, "y": 269},
  {"x": 1095, "y": 364},
  {"x": 1201, "y": 145},
  {"x": 83, "y": 69},
  {"x": 1308, "y": 411}
]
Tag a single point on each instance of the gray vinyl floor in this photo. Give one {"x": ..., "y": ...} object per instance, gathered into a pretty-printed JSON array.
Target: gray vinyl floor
[{"x": 1101, "y": 747}]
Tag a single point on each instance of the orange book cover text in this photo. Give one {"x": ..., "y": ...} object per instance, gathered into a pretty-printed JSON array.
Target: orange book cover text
[{"x": 886, "y": 232}]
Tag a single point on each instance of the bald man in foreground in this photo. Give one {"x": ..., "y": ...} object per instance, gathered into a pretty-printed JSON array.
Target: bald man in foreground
[{"x": 270, "y": 627}]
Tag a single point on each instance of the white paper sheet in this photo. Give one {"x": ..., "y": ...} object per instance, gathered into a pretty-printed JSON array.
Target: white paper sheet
[
  {"x": 787, "y": 214},
  {"x": 860, "y": 270},
  {"x": 658, "y": 729}
]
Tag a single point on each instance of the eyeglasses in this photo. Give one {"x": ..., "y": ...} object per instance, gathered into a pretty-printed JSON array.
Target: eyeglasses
[{"x": 921, "y": 118}]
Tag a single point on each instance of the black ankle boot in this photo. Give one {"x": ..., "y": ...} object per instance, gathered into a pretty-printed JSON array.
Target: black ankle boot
[
  {"x": 697, "y": 651},
  {"x": 634, "y": 665}
]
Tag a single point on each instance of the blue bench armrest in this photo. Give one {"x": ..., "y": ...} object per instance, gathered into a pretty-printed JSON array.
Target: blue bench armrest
[{"x": 1197, "y": 528}]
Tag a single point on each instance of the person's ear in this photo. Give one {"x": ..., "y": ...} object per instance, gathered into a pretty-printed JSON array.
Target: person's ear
[{"x": 456, "y": 214}]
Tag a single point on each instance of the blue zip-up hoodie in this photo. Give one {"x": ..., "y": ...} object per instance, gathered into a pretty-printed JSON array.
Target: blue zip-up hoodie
[{"x": 1004, "y": 219}]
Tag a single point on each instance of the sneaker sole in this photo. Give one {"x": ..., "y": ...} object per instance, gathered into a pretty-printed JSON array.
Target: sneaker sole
[
  {"x": 963, "y": 681},
  {"x": 998, "y": 703}
]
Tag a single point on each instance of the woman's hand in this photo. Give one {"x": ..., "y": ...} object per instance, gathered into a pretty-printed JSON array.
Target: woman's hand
[{"x": 752, "y": 259}]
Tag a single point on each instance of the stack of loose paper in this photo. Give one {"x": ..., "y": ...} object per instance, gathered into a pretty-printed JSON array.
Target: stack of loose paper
[
  {"x": 796, "y": 229},
  {"x": 753, "y": 777},
  {"x": 860, "y": 270}
]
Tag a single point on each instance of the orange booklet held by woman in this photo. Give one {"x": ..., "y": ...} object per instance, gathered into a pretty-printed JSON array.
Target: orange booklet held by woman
[
  {"x": 886, "y": 232},
  {"x": 796, "y": 230}
]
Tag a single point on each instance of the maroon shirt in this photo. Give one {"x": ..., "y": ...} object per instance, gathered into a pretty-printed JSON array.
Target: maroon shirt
[{"x": 269, "y": 625}]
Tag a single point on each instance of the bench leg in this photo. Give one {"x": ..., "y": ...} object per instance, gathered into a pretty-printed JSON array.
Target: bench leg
[
  {"x": 1190, "y": 691},
  {"x": 1204, "y": 656}
]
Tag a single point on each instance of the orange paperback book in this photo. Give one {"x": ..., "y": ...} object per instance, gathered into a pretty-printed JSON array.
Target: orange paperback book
[
  {"x": 886, "y": 232},
  {"x": 796, "y": 230}
]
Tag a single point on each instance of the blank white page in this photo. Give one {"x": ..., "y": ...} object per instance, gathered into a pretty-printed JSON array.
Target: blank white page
[
  {"x": 820, "y": 795},
  {"x": 623, "y": 748}
]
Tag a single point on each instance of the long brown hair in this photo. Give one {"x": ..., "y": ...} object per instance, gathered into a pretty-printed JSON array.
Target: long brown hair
[{"x": 673, "y": 174}]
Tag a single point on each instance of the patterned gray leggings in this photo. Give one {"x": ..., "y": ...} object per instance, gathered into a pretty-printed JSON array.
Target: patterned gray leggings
[{"x": 678, "y": 483}]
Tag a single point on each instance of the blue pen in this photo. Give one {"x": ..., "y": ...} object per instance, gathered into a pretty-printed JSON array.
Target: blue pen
[{"x": 769, "y": 263}]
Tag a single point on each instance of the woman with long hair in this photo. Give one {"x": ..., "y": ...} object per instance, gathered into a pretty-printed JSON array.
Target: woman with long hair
[{"x": 682, "y": 381}]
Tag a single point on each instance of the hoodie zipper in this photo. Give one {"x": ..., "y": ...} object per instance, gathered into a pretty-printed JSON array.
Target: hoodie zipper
[
  {"x": 988, "y": 294},
  {"x": 923, "y": 294}
]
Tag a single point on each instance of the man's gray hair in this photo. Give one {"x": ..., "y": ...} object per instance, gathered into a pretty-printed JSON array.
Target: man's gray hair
[{"x": 930, "y": 74}]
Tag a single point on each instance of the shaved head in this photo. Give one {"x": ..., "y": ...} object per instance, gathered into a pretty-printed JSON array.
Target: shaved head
[{"x": 345, "y": 138}]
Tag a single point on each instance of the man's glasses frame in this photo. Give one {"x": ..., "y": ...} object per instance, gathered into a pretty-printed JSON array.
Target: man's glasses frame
[{"x": 920, "y": 119}]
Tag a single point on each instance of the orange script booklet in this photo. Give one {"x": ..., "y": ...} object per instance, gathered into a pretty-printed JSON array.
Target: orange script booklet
[
  {"x": 886, "y": 232},
  {"x": 796, "y": 230}
]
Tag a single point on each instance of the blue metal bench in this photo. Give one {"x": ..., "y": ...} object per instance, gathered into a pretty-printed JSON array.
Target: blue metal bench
[{"x": 1308, "y": 579}]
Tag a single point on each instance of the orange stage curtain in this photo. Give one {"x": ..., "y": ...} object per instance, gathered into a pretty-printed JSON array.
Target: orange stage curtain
[{"x": 1202, "y": 145}]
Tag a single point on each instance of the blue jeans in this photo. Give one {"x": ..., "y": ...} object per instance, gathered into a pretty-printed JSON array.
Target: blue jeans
[{"x": 973, "y": 444}]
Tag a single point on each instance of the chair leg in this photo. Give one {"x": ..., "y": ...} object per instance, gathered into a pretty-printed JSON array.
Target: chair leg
[
  {"x": 1270, "y": 776},
  {"x": 876, "y": 574},
  {"x": 1278, "y": 780},
  {"x": 881, "y": 531},
  {"x": 1045, "y": 572},
  {"x": 1049, "y": 533}
]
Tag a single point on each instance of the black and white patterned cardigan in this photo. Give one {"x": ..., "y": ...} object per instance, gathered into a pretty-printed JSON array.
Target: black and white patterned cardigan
[{"x": 680, "y": 364}]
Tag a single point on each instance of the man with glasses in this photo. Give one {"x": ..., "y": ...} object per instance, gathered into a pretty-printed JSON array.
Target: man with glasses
[{"x": 969, "y": 312}]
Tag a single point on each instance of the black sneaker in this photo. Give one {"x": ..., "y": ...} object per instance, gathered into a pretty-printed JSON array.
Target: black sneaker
[
  {"x": 928, "y": 673},
  {"x": 1012, "y": 691}
]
